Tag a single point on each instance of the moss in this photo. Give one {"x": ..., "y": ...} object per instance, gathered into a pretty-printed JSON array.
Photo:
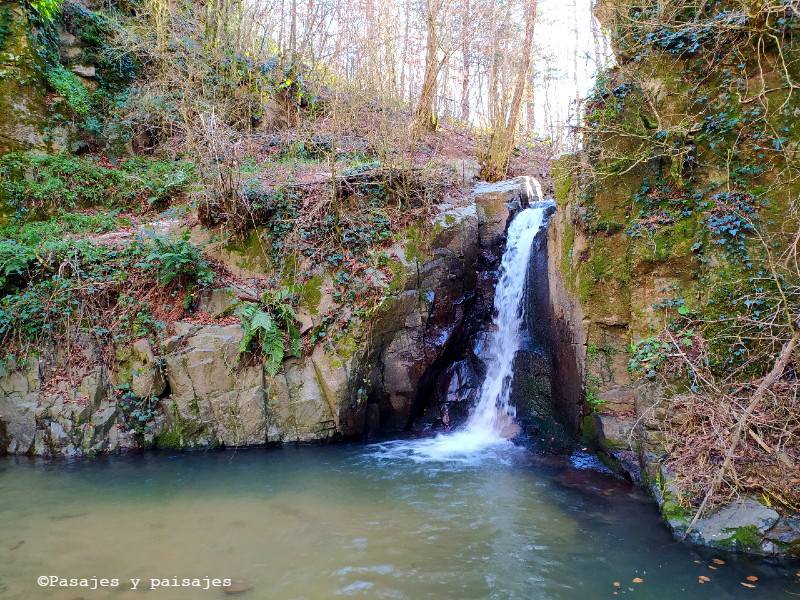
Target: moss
[
  {"x": 562, "y": 178},
  {"x": 399, "y": 276},
  {"x": 585, "y": 286},
  {"x": 413, "y": 243},
  {"x": 311, "y": 294},
  {"x": 674, "y": 512},
  {"x": 250, "y": 253},
  {"x": 346, "y": 346},
  {"x": 26, "y": 118},
  {"x": 589, "y": 430},
  {"x": 169, "y": 440},
  {"x": 599, "y": 266},
  {"x": 495, "y": 209},
  {"x": 567, "y": 249},
  {"x": 747, "y": 537}
]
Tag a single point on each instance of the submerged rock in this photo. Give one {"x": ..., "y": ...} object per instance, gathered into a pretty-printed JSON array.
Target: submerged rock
[{"x": 237, "y": 588}]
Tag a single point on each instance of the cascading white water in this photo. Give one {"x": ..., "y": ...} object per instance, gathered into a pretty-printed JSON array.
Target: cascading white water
[
  {"x": 493, "y": 415},
  {"x": 491, "y": 421}
]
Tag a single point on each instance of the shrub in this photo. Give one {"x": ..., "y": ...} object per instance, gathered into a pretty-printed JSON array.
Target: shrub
[{"x": 46, "y": 9}]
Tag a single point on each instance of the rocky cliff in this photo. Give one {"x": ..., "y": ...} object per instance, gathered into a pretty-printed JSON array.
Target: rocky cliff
[
  {"x": 377, "y": 378},
  {"x": 671, "y": 277}
]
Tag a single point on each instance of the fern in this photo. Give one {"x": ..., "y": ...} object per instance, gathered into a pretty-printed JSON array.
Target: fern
[
  {"x": 179, "y": 259},
  {"x": 267, "y": 327}
]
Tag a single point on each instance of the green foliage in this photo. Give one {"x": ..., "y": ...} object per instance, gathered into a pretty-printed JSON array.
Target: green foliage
[
  {"x": 96, "y": 32},
  {"x": 67, "y": 84},
  {"x": 270, "y": 327},
  {"x": 177, "y": 260},
  {"x": 34, "y": 185},
  {"x": 333, "y": 235},
  {"x": 114, "y": 70},
  {"x": 139, "y": 412},
  {"x": 592, "y": 397},
  {"x": 15, "y": 260},
  {"x": 47, "y": 284},
  {"x": 648, "y": 355},
  {"x": 46, "y": 9},
  {"x": 6, "y": 22}
]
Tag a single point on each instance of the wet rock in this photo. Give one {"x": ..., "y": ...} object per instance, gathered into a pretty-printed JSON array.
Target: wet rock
[
  {"x": 615, "y": 430},
  {"x": 493, "y": 209},
  {"x": 737, "y": 526},
  {"x": 783, "y": 538},
  {"x": 458, "y": 383}
]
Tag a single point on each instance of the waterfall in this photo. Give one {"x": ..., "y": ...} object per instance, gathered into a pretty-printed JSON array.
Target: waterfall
[
  {"x": 491, "y": 421},
  {"x": 492, "y": 416}
]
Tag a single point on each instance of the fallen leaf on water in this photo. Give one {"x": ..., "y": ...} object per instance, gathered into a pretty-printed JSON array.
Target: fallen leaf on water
[
  {"x": 638, "y": 580},
  {"x": 751, "y": 578},
  {"x": 750, "y": 585},
  {"x": 718, "y": 561}
]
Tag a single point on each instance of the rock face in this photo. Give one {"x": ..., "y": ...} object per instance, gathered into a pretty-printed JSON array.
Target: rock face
[
  {"x": 196, "y": 390},
  {"x": 639, "y": 243},
  {"x": 592, "y": 324},
  {"x": 25, "y": 109},
  {"x": 737, "y": 526}
]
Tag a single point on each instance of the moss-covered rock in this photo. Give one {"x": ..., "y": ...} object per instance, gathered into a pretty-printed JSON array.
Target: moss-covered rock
[{"x": 29, "y": 117}]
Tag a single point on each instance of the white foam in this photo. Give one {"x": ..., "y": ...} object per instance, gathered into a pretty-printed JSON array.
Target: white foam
[{"x": 491, "y": 422}]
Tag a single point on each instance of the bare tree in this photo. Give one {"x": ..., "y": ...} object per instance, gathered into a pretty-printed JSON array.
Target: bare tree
[{"x": 505, "y": 117}]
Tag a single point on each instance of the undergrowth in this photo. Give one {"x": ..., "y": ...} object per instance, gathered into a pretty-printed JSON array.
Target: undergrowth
[{"x": 32, "y": 185}]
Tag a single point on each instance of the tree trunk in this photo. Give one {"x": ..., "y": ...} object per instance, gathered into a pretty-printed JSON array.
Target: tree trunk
[
  {"x": 465, "y": 50},
  {"x": 424, "y": 116},
  {"x": 501, "y": 141}
]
